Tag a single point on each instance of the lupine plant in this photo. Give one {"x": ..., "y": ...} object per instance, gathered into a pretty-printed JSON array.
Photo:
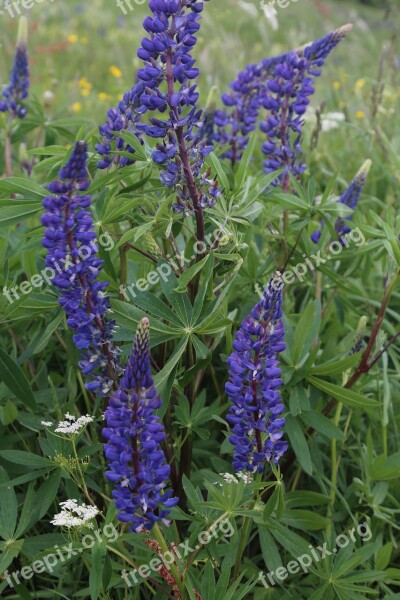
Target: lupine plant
[{"x": 198, "y": 357}]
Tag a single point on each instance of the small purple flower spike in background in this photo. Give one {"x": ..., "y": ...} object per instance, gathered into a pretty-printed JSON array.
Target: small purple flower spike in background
[
  {"x": 254, "y": 382},
  {"x": 134, "y": 433},
  {"x": 349, "y": 198},
  {"x": 18, "y": 89},
  {"x": 72, "y": 254}
]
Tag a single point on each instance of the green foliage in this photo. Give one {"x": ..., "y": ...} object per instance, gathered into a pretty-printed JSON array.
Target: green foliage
[{"x": 342, "y": 471}]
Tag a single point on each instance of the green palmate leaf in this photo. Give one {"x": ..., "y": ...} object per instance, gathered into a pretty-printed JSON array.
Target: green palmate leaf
[
  {"x": 288, "y": 202},
  {"x": 18, "y": 212},
  {"x": 336, "y": 367},
  {"x": 305, "y": 519},
  {"x": 386, "y": 469},
  {"x": 204, "y": 285},
  {"x": 299, "y": 443},
  {"x": 190, "y": 274},
  {"x": 306, "y": 332},
  {"x": 99, "y": 553},
  {"x": 179, "y": 302},
  {"x": 15, "y": 380},
  {"x": 129, "y": 316},
  {"x": 245, "y": 161},
  {"x": 161, "y": 378},
  {"x": 152, "y": 305},
  {"x": 22, "y": 186},
  {"x": 26, "y": 459},
  {"x": 322, "y": 424},
  {"x": 216, "y": 164},
  {"x": 8, "y": 508},
  {"x": 348, "y": 397},
  {"x": 269, "y": 549},
  {"x": 48, "y": 332},
  {"x": 305, "y": 498}
]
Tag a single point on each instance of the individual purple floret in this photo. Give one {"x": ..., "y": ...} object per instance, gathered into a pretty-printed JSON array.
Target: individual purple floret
[
  {"x": 350, "y": 199},
  {"x": 134, "y": 433},
  {"x": 18, "y": 89},
  {"x": 167, "y": 85},
  {"x": 72, "y": 254},
  {"x": 254, "y": 382}
]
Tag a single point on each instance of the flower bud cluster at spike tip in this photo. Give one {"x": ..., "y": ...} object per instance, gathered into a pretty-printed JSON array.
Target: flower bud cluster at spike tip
[
  {"x": 72, "y": 254},
  {"x": 18, "y": 89},
  {"x": 134, "y": 433},
  {"x": 167, "y": 85},
  {"x": 349, "y": 198},
  {"x": 254, "y": 382}
]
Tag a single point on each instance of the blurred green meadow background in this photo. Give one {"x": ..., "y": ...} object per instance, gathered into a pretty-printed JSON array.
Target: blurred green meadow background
[{"x": 83, "y": 57}]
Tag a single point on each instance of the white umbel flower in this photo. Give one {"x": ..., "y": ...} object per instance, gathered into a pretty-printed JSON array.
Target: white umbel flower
[
  {"x": 73, "y": 425},
  {"x": 75, "y": 515}
]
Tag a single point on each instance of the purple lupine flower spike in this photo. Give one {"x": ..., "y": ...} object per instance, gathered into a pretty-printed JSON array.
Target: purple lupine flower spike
[
  {"x": 254, "y": 382},
  {"x": 286, "y": 100},
  {"x": 18, "y": 89},
  {"x": 167, "y": 85},
  {"x": 134, "y": 433},
  {"x": 72, "y": 254},
  {"x": 282, "y": 85},
  {"x": 350, "y": 198}
]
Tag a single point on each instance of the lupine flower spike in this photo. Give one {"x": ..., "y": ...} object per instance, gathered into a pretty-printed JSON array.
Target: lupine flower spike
[
  {"x": 254, "y": 382},
  {"x": 282, "y": 85},
  {"x": 166, "y": 85},
  {"x": 134, "y": 433},
  {"x": 350, "y": 199},
  {"x": 70, "y": 241},
  {"x": 18, "y": 89}
]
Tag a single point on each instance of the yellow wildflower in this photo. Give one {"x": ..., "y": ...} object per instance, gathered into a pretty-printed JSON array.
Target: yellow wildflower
[
  {"x": 360, "y": 114},
  {"x": 360, "y": 84},
  {"x": 76, "y": 107},
  {"x": 336, "y": 85},
  {"x": 115, "y": 71},
  {"x": 73, "y": 38}
]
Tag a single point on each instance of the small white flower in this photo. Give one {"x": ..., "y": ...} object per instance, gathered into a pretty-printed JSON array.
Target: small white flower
[
  {"x": 46, "y": 423},
  {"x": 332, "y": 120},
  {"x": 229, "y": 478},
  {"x": 74, "y": 515},
  {"x": 69, "y": 417},
  {"x": 72, "y": 426}
]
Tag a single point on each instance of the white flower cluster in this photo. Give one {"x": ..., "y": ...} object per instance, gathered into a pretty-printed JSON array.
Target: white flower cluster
[
  {"x": 74, "y": 515},
  {"x": 71, "y": 425},
  {"x": 229, "y": 478}
]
